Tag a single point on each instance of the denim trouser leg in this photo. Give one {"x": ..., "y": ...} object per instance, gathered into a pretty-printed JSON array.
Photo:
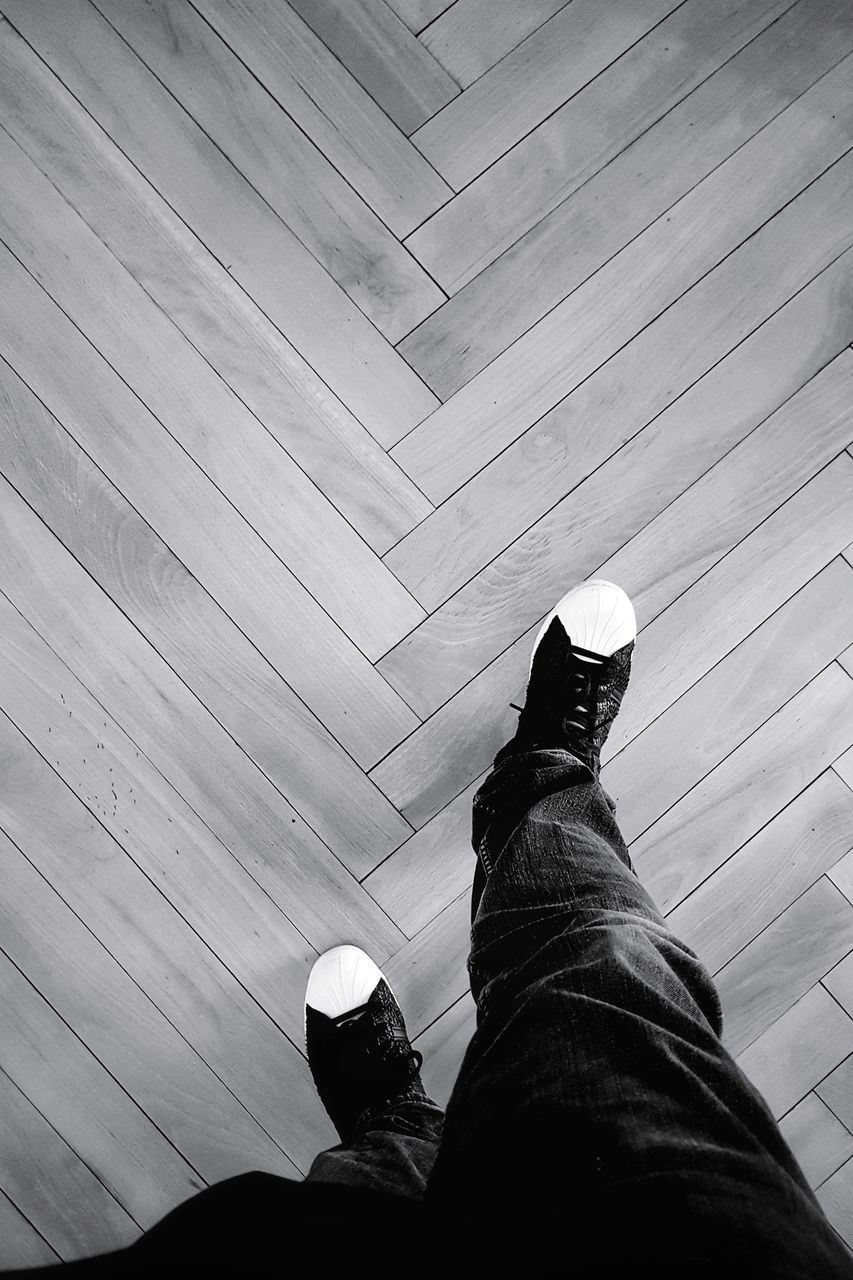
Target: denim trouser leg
[
  {"x": 596, "y": 1081},
  {"x": 393, "y": 1151}
]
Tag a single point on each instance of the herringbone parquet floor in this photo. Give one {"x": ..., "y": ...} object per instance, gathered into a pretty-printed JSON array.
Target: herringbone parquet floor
[{"x": 338, "y": 339}]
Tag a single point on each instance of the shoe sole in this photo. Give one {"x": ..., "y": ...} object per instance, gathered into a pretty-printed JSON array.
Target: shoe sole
[{"x": 597, "y": 615}]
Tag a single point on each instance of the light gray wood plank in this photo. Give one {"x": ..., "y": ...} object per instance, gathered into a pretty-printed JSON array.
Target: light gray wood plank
[
  {"x": 524, "y": 87},
  {"x": 641, "y": 283},
  {"x": 470, "y": 36},
  {"x": 378, "y": 49},
  {"x": 818, "y": 1140},
  {"x": 668, "y": 760},
  {"x": 20, "y": 1243},
  {"x": 296, "y": 179},
  {"x": 233, "y": 1012},
  {"x": 58, "y": 1193},
  {"x": 664, "y": 477},
  {"x": 87, "y": 1108},
  {"x": 102, "y": 766},
  {"x": 343, "y": 121},
  {"x": 836, "y": 1200},
  {"x": 186, "y": 744},
  {"x": 216, "y": 430},
  {"x": 417, "y": 13},
  {"x": 443, "y": 1045},
  {"x": 764, "y": 876},
  {"x": 118, "y": 1020},
  {"x": 793, "y": 953},
  {"x": 615, "y": 121},
  {"x": 798, "y": 1050},
  {"x": 224, "y": 211},
  {"x": 699, "y": 628},
  {"x": 205, "y": 303},
  {"x": 197, "y": 523},
  {"x": 431, "y": 869},
  {"x": 327, "y": 789}
]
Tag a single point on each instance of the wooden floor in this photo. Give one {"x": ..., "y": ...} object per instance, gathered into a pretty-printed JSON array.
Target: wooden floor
[{"x": 338, "y": 340}]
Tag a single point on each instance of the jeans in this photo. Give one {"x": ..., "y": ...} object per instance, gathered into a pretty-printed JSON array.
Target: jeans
[
  {"x": 596, "y": 1087},
  {"x": 595, "y": 1100}
]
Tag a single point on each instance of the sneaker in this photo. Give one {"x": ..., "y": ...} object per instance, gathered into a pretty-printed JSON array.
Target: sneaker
[
  {"x": 355, "y": 1036},
  {"x": 579, "y": 671}
]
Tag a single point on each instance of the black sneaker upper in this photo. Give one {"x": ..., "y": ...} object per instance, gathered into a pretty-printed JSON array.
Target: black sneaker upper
[
  {"x": 560, "y": 682},
  {"x": 362, "y": 1059}
]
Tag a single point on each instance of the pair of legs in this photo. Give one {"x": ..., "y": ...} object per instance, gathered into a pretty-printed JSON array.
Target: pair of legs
[{"x": 595, "y": 1088}]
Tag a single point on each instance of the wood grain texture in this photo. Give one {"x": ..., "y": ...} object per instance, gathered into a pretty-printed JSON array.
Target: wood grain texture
[
  {"x": 398, "y": 71},
  {"x": 195, "y": 520},
  {"x": 798, "y": 1050},
  {"x": 818, "y": 1139},
  {"x": 66, "y": 1203},
  {"x": 282, "y": 164},
  {"x": 158, "y": 1063},
  {"x": 657, "y": 151},
  {"x": 765, "y": 979},
  {"x": 722, "y": 424},
  {"x": 184, "y": 394},
  {"x": 326, "y": 102},
  {"x": 225, "y": 212},
  {"x": 470, "y": 36},
  {"x": 801, "y": 151},
  {"x": 170, "y": 951},
  {"x": 455, "y": 744},
  {"x": 205, "y": 303},
  {"x": 515, "y": 94},
  {"x": 204, "y": 648},
  {"x": 836, "y": 1199},
  {"x": 22, "y": 1244}
]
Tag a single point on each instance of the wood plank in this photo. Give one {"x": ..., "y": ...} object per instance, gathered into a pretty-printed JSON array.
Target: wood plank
[
  {"x": 343, "y": 121},
  {"x": 725, "y": 413},
  {"x": 200, "y": 297},
  {"x": 424, "y": 985},
  {"x": 284, "y": 166},
  {"x": 418, "y": 13},
  {"x": 793, "y": 953},
  {"x": 102, "y": 766},
  {"x": 801, "y": 146},
  {"x": 734, "y": 597},
  {"x": 836, "y": 1200},
  {"x": 443, "y": 1045},
  {"x": 175, "y": 959},
  {"x": 528, "y": 84},
  {"x": 836, "y": 1091},
  {"x": 20, "y": 1243},
  {"x": 59, "y": 1194},
  {"x": 615, "y": 121},
  {"x": 75, "y": 1093},
  {"x": 198, "y": 524},
  {"x": 379, "y": 50},
  {"x": 840, "y": 984},
  {"x": 798, "y": 1050},
  {"x": 205, "y": 649},
  {"x": 225, "y": 212},
  {"x": 470, "y": 36},
  {"x": 667, "y": 761},
  {"x": 432, "y": 868},
  {"x": 185, "y": 395},
  {"x": 186, "y": 744},
  {"x": 722, "y": 813},
  {"x": 747, "y": 892},
  {"x": 818, "y": 1140},
  {"x": 118, "y": 1021}
]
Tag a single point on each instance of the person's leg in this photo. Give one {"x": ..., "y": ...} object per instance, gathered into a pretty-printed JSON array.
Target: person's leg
[
  {"x": 368, "y": 1078},
  {"x": 394, "y": 1150},
  {"x": 596, "y": 1090}
]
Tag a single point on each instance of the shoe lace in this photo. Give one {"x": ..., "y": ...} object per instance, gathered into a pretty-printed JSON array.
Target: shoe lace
[
  {"x": 583, "y": 680},
  {"x": 394, "y": 1060}
]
